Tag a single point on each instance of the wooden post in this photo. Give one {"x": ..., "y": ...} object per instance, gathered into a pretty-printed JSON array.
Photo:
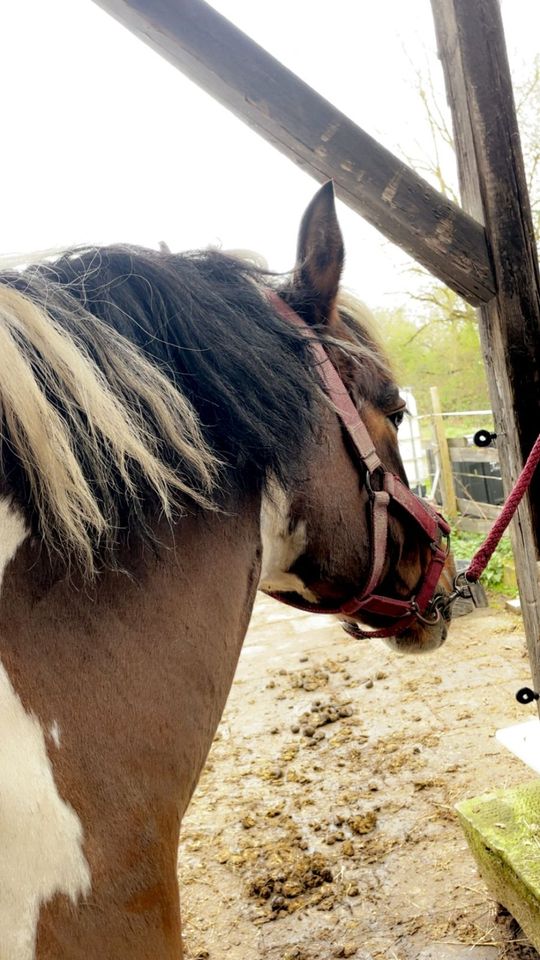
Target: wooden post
[
  {"x": 473, "y": 54},
  {"x": 448, "y": 492}
]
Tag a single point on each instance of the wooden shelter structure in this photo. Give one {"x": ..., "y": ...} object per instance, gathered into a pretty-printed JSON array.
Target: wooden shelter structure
[{"x": 484, "y": 251}]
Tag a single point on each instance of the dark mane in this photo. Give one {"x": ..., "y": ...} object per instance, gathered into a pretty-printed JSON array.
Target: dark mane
[{"x": 204, "y": 320}]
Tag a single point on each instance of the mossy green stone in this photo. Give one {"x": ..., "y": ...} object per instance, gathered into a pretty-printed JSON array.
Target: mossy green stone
[{"x": 503, "y": 832}]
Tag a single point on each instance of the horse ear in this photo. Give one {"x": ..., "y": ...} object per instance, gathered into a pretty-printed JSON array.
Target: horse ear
[{"x": 319, "y": 258}]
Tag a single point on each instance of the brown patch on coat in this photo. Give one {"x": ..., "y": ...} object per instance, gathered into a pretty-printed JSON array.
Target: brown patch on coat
[{"x": 135, "y": 672}]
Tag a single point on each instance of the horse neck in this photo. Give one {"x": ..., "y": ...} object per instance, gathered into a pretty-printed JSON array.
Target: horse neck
[{"x": 127, "y": 682}]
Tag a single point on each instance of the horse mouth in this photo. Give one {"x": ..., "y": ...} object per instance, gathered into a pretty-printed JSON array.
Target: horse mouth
[
  {"x": 417, "y": 638},
  {"x": 424, "y": 640}
]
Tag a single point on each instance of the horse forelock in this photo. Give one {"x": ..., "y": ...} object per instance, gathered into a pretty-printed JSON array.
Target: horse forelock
[{"x": 367, "y": 346}]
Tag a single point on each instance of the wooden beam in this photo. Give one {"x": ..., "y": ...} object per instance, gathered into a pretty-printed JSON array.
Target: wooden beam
[
  {"x": 472, "y": 49},
  {"x": 308, "y": 129},
  {"x": 478, "y": 510},
  {"x": 474, "y": 454}
]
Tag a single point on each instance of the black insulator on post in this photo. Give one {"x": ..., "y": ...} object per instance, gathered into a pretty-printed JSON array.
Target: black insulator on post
[
  {"x": 484, "y": 438},
  {"x": 526, "y": 695}
]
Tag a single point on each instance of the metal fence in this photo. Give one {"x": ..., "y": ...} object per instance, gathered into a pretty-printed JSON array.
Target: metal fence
[{"x": 472, "y": 473}]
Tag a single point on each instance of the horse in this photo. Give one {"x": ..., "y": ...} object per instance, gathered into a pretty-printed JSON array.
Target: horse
[{"x": 177, "y": 431}]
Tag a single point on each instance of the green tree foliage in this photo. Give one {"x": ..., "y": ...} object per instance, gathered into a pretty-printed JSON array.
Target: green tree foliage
[
  {"x": 435, "y": 341},
  {"x": 440, "y": 347}
]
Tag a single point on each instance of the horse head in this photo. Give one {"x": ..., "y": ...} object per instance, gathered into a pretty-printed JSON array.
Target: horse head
[{"x": 350, "y": 538}]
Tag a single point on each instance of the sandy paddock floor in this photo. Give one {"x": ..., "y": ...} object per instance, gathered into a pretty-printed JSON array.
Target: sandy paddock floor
[{"x": 323, "y": 825}]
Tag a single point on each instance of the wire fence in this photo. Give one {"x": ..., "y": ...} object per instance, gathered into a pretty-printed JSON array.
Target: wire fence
[{"x": 463, "y": 473}]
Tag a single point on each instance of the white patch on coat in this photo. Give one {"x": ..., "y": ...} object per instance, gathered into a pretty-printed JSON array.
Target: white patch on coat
[
  {"x": 55, "y": 734},
  {"x": 41, "y": 837},
  {"x": 13, "y": 531},
  {"x": 281, "y": 546}
]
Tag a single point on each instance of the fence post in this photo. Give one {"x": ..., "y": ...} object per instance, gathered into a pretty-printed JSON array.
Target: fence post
[{"x": 448, "y": 492}]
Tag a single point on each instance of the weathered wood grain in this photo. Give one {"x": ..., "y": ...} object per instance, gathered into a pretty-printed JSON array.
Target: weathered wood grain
[
  {"x": 476, "y": 509},
  {"x": 474, "y": 454},
  {"x": 308, "y": 129},
  {"x": 446, "y": 485},
  {"x": 472, "y": 50}
]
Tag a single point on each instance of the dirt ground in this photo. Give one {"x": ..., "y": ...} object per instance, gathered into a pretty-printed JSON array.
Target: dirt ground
[{"x": 323, "y": 825}]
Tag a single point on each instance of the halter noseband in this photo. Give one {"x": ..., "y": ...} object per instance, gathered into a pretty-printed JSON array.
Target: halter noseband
[{"x": 423, "y": 606}]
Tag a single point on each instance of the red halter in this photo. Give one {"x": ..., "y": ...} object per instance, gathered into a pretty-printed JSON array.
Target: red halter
[{"x": 423, "y": 605}]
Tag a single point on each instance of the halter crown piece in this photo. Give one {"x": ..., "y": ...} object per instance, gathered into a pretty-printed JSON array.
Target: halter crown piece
[{"x": 389, "y": 487}]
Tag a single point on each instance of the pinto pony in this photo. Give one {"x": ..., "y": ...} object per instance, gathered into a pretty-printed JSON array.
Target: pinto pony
[{"x": 167, "y": 446}]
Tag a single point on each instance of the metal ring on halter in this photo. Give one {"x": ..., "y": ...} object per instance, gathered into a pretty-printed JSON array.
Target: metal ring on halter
[
  {"x": 440, "y": 605},
  {"x": 433, "y": 607},
  {"x": 434, "y": 545},
  {"x": 367, "y": 482}
]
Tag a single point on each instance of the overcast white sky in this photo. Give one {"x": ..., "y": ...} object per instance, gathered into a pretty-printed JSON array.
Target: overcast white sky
[{"x": 104, "y": 141}]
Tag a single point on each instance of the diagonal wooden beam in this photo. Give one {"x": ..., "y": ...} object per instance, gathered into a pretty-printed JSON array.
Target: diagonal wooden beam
[{"x": 318, "y": 137}]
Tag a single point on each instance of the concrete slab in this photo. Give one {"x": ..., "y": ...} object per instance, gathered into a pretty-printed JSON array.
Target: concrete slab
[
  {"x": 503, "y": 832},
  {"x": 523, "y": 740},
  {"x": 513, "y": 606}
]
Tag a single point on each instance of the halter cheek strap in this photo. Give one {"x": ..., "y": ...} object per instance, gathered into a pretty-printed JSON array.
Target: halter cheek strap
[{"x": 390, "y": 489}]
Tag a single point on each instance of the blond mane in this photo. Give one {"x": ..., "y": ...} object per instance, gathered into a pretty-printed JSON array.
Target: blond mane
[{"x": 58, "y": 410}]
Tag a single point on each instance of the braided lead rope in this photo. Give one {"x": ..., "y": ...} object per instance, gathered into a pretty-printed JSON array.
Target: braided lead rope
[{"x": 482, "y": 556}]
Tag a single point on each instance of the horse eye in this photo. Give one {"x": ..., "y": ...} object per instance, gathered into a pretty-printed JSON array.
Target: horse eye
[{"x": 397, "y": 418}]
